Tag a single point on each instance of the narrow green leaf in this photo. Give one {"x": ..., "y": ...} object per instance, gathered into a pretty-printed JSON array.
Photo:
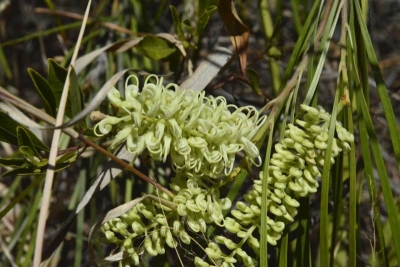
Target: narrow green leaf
[
  {"x": 187, "y": 24},
  {"x": 353, "y": 225},
  {"x": 35, "y": 197},
  {"x": 12, "y": 162},
  {"x": 326, "y": 176},
  {"x": 8, "y": 129},
  {"x": 28, "y": 153},
  {"x": 382, "y": 91},
  {"x": 4, "y": 64},
  {"x": 75, "y": 97},
  {"x": 204, "y": 18},
  {"x": 205, "y": 5},
  {"x": 283, "y": 249},
  {"x": 43, "y": 33},
  {"x": 27, "y": 169},
  {"x": 24, "y": 140},
  {"x": 254, "y": 80},
  {"x": 8, "y": 132},
  {"x": 45, "y": 92},
  {"x": 177, "y": 23},
  {"x": 155, "y": 48},
  {"x": 31, "y": 169},
  {"x": 302, "y": 43},
  {"x": 56, "y": 78}
]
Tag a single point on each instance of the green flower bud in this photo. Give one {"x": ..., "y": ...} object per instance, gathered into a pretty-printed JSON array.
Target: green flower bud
[
  {"x": 160, "y": 219},
  {"x": 137, "y": 227},
  {"x": 179, "y": 199},
  {"x": 275, "y": 198},
  {"x": 171, "y": 242},
  {"x": 201, "y": 202},
  {"x": 191, "y": 205},
  {"x": 278, "y": 227},
  {"x": 127, "y": 243},
  {"x": 273, "y": 209},
  {"x": 226, "y": 241},
  {"x": 295, "y": 172},
  {"x": 295, "y": 187},
  {"x": 135, "y": 259},
  {"x": 198, "y": 262},
  {"x": 226, "y": 203},
  {"x": 288, "y": 142},
  {"x": 177, "y": 226},
  {"x": 111, "y": 237},
  {"x": 184, "y": 237},
  {"x": 291, "y": 201},
  {"x": 231, "y": 225},
  {"x": 194, "y": 225},
  {"x": 320, "y": 144},
  {"x": 254, "y": 243},
  {"x": 229, "y": 261},
  {"x": 149, "y": 246},
  {"x": 181, "y": 209}
]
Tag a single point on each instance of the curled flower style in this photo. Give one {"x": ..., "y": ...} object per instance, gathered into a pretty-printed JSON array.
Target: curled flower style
[{"x": 201, "y": 133}]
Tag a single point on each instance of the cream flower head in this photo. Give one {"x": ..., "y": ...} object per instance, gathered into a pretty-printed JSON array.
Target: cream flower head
[{"x": 201, "y": 133}]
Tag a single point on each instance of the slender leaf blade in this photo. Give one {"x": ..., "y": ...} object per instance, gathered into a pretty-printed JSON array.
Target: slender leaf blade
[
  {"x": 45, "y": 92},
  {"x": 382, "y": 90}
]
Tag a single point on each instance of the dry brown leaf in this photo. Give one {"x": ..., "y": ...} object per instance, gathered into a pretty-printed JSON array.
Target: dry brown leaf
[{"x": 239, "y": 33}]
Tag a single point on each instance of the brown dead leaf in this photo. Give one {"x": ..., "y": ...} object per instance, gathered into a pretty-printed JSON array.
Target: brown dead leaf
[{"x": 239, "y": 33}]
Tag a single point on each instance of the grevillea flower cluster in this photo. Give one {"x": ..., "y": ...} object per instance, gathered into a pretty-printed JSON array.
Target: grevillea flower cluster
[
  {"x": 294, "y": 169},
  {"x": 150, "y": 225},
  {"x": 201, "y": 133}
]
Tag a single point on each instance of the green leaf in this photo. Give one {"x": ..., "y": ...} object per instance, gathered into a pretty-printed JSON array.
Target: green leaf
[
  {"x": 45, "y": 92},
  {"x": 177, "y": 23},
  {"x": 31, "y": 169},
  {"x": 8, "y": 132},
  {"x": 24, "y": 140},
  {"x": 25, "y": 170},
  {"x": 382, "y": 90},
  {"x": 69, "y": 157},
  {"x": 30, "y": 155},
  {"x": 204, "y": 18},
  {"x": 205, "y": 5},
  {"x": 188, "y": 26},
  {"x": 254, "y": 80},
  {"x": 155, "y": 48},
  {"x": 75, "y": 97},
  {"x": 56, "y": 78},
  {"x": 4, "y": 64},
  {"x": 12, "y": 162}
]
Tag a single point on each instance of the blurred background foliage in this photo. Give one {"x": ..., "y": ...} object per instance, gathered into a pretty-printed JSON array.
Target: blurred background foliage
[{"x": 33, "y": 31}]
